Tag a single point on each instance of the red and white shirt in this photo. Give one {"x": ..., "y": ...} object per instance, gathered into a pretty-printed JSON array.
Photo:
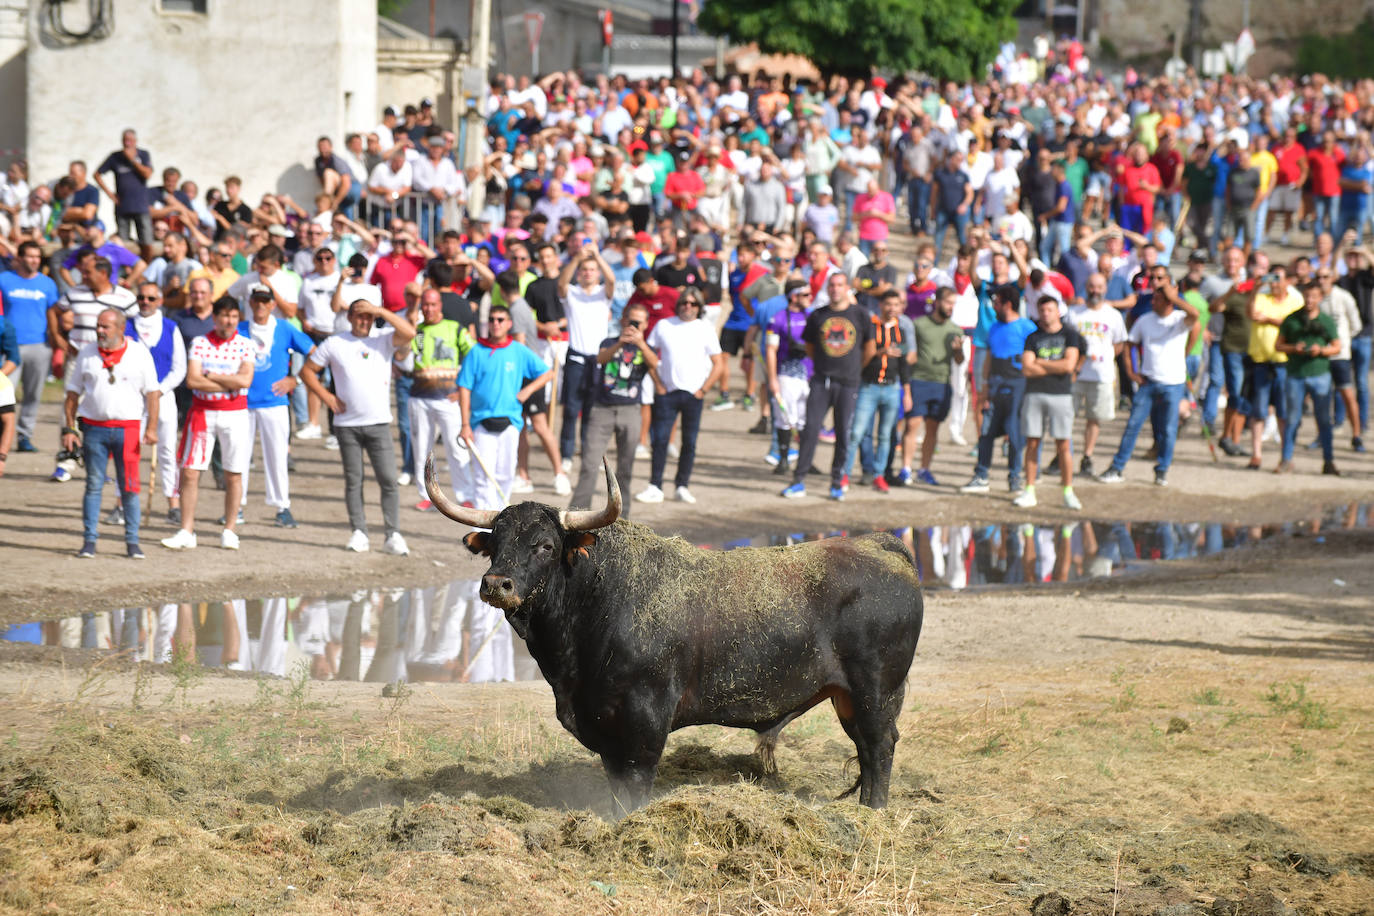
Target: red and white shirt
[{"x": 222, "y": 357}]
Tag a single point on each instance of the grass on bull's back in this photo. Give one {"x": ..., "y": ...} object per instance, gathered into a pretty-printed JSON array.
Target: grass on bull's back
[{"x": 291, "y": 802}]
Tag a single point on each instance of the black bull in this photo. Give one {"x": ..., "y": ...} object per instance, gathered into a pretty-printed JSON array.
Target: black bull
[{"x": 640, "y": 635}]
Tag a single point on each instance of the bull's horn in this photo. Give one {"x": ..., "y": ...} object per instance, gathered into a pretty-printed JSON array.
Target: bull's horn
[
  {"x": 477, "y": 518},
  {"x": 591, "y": 519}
]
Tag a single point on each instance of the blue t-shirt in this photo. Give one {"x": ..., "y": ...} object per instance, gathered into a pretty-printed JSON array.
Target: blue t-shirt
[
  {"x": 765, "y": 310},
  {"x": 1006, "y": 343},
  {"x": 273, "y": 363},
  {"x": 495, "y": 377},
  {"x": 9, "y": 344},
  {"x": 740, "y": 319},
  {"x": 1223, "y": 165},
  {"x": 1355, "y": 201},
  {"x": 624, "y": 287},
  {"x": 26, "y": 304},
  {"x": 129, "y": 185},
  {"x": 1070, "y": 213},
  {"x": 90, "y": 194}
]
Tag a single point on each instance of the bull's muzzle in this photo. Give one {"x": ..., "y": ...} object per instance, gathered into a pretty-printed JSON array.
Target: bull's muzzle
[{"x": 499, "y": 591}]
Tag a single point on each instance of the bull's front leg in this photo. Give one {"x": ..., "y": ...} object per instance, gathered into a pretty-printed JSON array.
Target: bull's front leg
[{"x": 633, "y": 747}]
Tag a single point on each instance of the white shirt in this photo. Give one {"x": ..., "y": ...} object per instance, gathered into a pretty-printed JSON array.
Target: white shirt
[
  {"x": 442, "y": 174},
  {"x": 866, "y": 161},
  {"x": 1163, "y": 346},
  {"x": 684, "y": 349},
  {"x": 383, "y": 177},
  {"x": 316, "y": 303},
  {"x": 87, "y": 306},
  {"x": 223, "y": 359},
  {"x": 362, "y": 374},
  {"x": 150, "y": 335},
  {"x": 589, "y": 317},
  {"x": 286, "y": 283},
  {"x": 1102, "y": 329},
  {"x": 1000, "y": 184},
  {"x": 122, "y": 399}
]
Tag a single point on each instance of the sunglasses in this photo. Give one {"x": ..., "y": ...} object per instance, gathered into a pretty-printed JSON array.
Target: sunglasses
[
  {"x": 148, "y": 298},
  {"x": 499, "y": 319}
]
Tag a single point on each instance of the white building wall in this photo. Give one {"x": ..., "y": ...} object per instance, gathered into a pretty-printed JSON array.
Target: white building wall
[
  {"x": 244, "y": 89},
  {"x": 13, "y": 25}
]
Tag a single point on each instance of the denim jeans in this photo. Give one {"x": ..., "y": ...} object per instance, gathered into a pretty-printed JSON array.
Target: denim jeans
[
  {"x": 1160, "y": 403},
  {"x": 1056, "y": 235},
  {"x": 884, "y": 402},
  {"x": 943, "y": 221},
  {"x": 375, "y": 440},
  {"x": 579, "y": 373},
  {"x": 1267, "y": 387},
  {"x": 299, "y": 402},
  {"x": 1359, "y": 364},
  {"x": 1296, "y": 389},
  {"x": 1233, "y": 367},
  {"x": 98, "y": 445},
  {"x": 351, "y": 198},
  {"x": 1216, "y": 380},
  {"x": 827, "y": 394},
  {"x": 1218, "y": 222},
  {"x": 1003, "y": 417},
  {"x": 1327, "y": 208},
  {"x": 1350, "y": 218},
  {"x": 403, "y": 386},
  {"x": 849, "y": 198},
  {"x": 1261, "y": 219},
  {"x": 918, "y": 202},
  {"x": 665, "y": 411}
]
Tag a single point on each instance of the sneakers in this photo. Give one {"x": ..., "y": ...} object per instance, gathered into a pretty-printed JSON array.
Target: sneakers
[
  {"x": 957, "y": 437},
  {"x": 425, "y": 505},
  {"x": 1026, "y": 500},
  {"x": 1284, "y": 467},
  {"x": 794, "y": 491},
  {"x": 396, "y": 545},
  {"x": 1111, "y": 475},
  {"x": 566, "y": 465},
  {"x": 228, "y": 540},
  {"x": 1313, "y": 445},
  {"x": 521, "y": 485},
  {"x": 762, "y": 427},
  {"x": 1161, "y": 479},
  {"x": 747, "y": 403},
  {"x": 284, "y": 519},
  {"x": 650, "y": 494},
  {"x": 25, "y": 445},
  {"x": 904, "y": 477},
  {"x": 1329, "y": 469},
  {"x": 924, "y": 476},
  {"x": 782, "y": 467},
  {"x": 332, "y": 443},
  {"x": 826, "y": 435},
  {"x": 844, "y": 483},
  {"x": 1358, "y": 445},
  {"x": 115, "y": 516},
  {"x": 1071, "y": 500},
  {"x": 723, "y": 402},
  {"x": 310, "y": 431},
  {"x": 772, "y": 459},
  {"x": 684, "y": 495},
  {"x": 182, "y": 540},
  {"x": 239, "y": 520},
  {"x": 673, "y": 450},
  {"x": 403, "y": 479},
  {"x": 60, "y": 475},
  {"x": 134, "y": 551},
  {"x": 880, "y": 484},
  {"x": 642, "y": 451},
  {"x": 1231, "y": 449},
  {"x": 562, "y": 485},
  {"x": 1085, "y": 467},
  {"x": 1015, "y": 485},
  {"x": 174, "y": 517},
  {"x": 837, "y": 494},
  {"x": 87, "y": 550},
  {"x": 976, "y": 485},
  {"x": 358, "y": 542}
]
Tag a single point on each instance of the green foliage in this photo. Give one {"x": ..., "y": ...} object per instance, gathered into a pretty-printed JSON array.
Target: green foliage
[
  {"x": 1339, "y": 55},
  {"x": 1291, "y": 696},
  {"x": 390, "y": 8},
  {"x": 949, "y": 39}
]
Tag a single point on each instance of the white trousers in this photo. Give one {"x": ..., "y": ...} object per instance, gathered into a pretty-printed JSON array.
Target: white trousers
[
  {"x": 272, "y": 427},
  {"x": 168, "y": 474},
  {"x": 499, "y": 451},
  {"x": 428, "y": 415},
  {"x": 959, "y": 375}
]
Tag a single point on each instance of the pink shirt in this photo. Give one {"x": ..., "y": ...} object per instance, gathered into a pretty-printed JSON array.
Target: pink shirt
[
  {"x": 392, "y": 275},
  {"x": 872, "y": 229}
]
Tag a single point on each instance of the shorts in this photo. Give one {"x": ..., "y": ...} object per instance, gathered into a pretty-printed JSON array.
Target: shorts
[
  {"x": 930, "y": 399},
  {"x": 537, "y": 403},
  {"x": 1040, "y": 410},
  {"x": 731, "y": 339},
  {"x": 1342, "y": 375},
  {"x": 1098, "y": 184},
  {"x": 1096, "y": 401},
  {"x": 206, "y": 427},
  {"x": 1286, "y": 198},
  {"x": 791, "y": 401}
]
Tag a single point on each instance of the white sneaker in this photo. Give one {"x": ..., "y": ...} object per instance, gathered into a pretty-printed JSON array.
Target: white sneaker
[
  {"x": 332, "y": 443},
  {"x": 310, "y": 431},
  {"x": 685, "y": 495},
  {"x": 522, "y": 485},
  {"x": 642, "y": 451},
  {"x": 672, "y": 450},
  {"x": 358, "y": 542},
  {"x": 182, "y": 540},
  {"x": 1026, "y": 500},
  {"x": 562, "y": 485},
  {"x": 957, "y": 437},
  {"x": 396, "y": 545},
  {"x": 403, "y": 479},
  {"x": 567, "y": 465},
  {"x": 228, "y": 540},
  {"x": 650, "y": 494},
  {"x": 1071, "y": 500}
]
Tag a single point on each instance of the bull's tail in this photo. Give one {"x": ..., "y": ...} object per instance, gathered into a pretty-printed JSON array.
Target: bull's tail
[{"x": 854, "y": 788}]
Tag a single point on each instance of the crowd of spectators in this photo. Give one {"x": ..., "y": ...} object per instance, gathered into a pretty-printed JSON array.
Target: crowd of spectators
[{"x": 629, "y": 256}]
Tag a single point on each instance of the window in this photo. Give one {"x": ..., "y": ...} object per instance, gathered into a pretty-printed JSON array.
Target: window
[{"x": 184, "y": 6}]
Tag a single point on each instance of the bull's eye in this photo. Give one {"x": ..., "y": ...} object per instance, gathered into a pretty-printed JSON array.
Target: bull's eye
[{"x": 545, "y": 548}]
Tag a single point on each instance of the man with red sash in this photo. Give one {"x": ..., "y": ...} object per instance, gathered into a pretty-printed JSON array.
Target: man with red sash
[
  {"x": 110, "y": 387},
  {"x": 219, "y": 369}
]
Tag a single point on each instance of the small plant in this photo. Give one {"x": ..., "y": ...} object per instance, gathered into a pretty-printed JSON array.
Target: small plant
[
  {"x": 1127, "y": 699},
  {"x": 186, "y": 672},
  {"x": 1300, "y": 753},
  {"x": 994, "y": 745},
  {"x": 140, "y": 686},
  {"x": 1209, "y": 697},
  {"x": 1291, "y": 696}
]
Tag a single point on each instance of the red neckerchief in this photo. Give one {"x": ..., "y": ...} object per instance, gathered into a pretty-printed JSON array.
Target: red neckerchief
[
  {"x": 961, "y": 283},
  {"x": 217, "y": 341},
  {"x": 488, "y": 342},
  {"x": 110, "y": 358}
]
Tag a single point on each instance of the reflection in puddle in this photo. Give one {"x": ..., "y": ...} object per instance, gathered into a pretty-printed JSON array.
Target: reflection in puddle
[{"x": 446, "y": 634}]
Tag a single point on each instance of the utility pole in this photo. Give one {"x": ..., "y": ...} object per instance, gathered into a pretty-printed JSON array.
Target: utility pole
[
  {"x": 677, "y": 5},
  {"x": 475, "y": 90}
]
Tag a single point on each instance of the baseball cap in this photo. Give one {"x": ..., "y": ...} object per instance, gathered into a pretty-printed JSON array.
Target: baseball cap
[
  {"x": 280, "y": 231},
  {"x": 791, "y": 286},
  {"x": 644, "y": 239},
  {"x": 259, "y": 291},
  {"x": 426, "y": 102},
  {"x": 1197, "y": 254},
  {"x": 825, "y": 189}
]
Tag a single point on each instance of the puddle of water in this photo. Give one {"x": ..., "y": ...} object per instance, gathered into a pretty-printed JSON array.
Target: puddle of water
[{"x": 446, "y": 634}]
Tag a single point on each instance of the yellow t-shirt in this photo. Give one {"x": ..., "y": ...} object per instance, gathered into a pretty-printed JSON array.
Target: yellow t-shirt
[
  {"x": 1264, "y": 336},
  {"x": 1268, "y": 166},
  {"x": 220, "y": 282}
]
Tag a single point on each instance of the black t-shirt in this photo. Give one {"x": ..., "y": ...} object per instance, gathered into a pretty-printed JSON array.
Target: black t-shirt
[
  {"x": 667, "y": 274},
  {"x": 868, "y": 278},
  {"x": 950, "y": 184},
  {"x": 1043, "y": 190},
  {"x": 709, "y": 280},
  {"x": 621, "y": 381},
  {"x": 542, "y": 295},
  {"x": 458, "y": 308},
  {"x": 838, "y": 337},
  {"x": 1053, "y": 346},
  {"x": 241, "y": 214}
]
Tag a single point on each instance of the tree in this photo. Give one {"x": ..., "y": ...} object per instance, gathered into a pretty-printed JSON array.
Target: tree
[{"x": 949, "y": 39}]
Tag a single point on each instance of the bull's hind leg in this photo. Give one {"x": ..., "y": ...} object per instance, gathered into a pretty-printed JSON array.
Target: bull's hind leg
[{"x": 872, "y": 724}]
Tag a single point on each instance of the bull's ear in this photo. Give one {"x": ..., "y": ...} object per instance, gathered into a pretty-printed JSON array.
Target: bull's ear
[
  {"x": 576, "y": 545},
  {"x": 477, "y": 542}
]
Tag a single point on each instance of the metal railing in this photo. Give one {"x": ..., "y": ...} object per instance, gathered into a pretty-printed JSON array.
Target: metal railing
[{"x": 432, "y": 216}]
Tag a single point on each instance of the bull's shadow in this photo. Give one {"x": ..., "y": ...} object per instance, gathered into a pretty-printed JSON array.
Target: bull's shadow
[{"x": 566, "y": 783}]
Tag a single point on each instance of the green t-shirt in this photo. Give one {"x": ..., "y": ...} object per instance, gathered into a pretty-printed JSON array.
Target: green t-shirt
[
  {"x": 662, "y": 164},
  {"x": 1146, "y": 129},
  {"x": 1298, "y": 328},
  {"x": 934, "y": 348},
  {"x": 1204, "y": 314},
  {"x": 1076, "y": 174},
  {"x": 1199, "y": 180}
]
